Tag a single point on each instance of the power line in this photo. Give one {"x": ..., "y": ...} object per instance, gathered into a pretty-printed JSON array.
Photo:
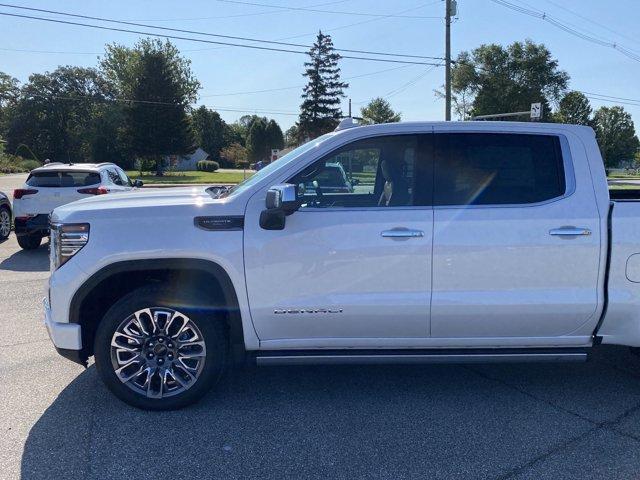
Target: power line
[
  {"x": 49, "y": 51},
  {"x": 556, "y": 23},
  {"x": 314, "y": 10},
  {"x": 159, "y": 103},
  {"x": 601, "y": 25},
  {"x": 406, "y": 85},
  {"x": 237, "y": 15},
  {"x": 410, "y": 83},
  {"x": 200, "y": 40},
  {"x": 196, "y": 32},
  {"x": 293, "y": 87},
  {"x": 341, "y": 27}
]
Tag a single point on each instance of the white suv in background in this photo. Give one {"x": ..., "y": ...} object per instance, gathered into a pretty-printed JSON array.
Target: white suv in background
[{"x": 57, "y": 184}]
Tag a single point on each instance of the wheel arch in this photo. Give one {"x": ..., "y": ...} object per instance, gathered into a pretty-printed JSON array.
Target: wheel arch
[{"x": 199, "y": 280}]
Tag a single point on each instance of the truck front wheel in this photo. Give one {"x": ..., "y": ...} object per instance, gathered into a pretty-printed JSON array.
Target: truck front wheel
[{"x": 154, "y": 353}]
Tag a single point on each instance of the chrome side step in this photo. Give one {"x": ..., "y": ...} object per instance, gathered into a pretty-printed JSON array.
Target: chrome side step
[{"x": 408, "y": 358}]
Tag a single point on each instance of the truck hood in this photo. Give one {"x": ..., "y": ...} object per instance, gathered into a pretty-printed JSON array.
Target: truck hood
[{"x": 137, "y": 200}]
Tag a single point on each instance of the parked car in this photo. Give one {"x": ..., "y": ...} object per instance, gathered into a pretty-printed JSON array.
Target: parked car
[
  {"x": 479, "y": 242},
  {"x": 5, "y": 217},
  {"x": 57, "y": 184},
  {"x": 331, "y": 179}
]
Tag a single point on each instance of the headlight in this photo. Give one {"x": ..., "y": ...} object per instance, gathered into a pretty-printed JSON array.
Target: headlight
[{"x": 67, "y": 240}]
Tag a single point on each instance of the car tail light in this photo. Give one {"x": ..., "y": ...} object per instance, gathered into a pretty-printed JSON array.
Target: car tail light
[
  {"x": 94, "y": 191},
  {"x": 18, "y": 193},
  {"x": 66, "y": 240}
]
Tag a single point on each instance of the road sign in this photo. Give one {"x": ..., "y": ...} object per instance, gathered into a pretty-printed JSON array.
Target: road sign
[{"x": 536, "y": 111}]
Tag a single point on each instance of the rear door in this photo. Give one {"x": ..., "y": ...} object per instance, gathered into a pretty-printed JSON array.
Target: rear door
[
  {"x": 56, "y": 188},
  {"x": 516, "y": 240},
  {"x": 117, "y": 182}
]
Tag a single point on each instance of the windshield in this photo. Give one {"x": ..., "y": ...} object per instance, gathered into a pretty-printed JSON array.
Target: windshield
[{"x": 272, "y": 167}]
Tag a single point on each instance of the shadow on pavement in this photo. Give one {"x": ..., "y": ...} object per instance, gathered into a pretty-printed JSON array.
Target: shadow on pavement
[
  {"x": 28, "y": 260},
  {"x": 334, "y": 422}
]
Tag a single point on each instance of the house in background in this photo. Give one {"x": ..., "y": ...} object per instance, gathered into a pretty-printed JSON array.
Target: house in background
[{"x": 182, "y": 163}]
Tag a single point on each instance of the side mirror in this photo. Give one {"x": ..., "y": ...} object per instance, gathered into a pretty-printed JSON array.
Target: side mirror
[
  {"x": 283, "y": 197},
  {"x": 355, "y": 181},
  {"x": 138, "y": 183},
  {"x": 282, "y": 200}
]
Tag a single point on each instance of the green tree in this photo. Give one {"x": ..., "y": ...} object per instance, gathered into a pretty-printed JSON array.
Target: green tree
[
  {"x": 55, "y": 114},
  {"x": 493, "y": 79},
  {"x": 616, "y": 135},
  {"x": 574, "y": 108},
  {"x": 292, "y": 136},
  {"x": 275, "y": 138},
  {"x": 257, "y": 141},
  {"x": 160, "y": 85},
  {"x": 378, "y": 110},
  {"x": 210, "y": 131},
  {"x": 320, "y": 110},
  {"x": 234, "y": 156},
  {"x": 107, "y": 135},
  {"x": 9, "y": 93}
]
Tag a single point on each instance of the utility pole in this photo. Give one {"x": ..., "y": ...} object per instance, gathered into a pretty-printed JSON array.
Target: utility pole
[{"x": 450, "y": 10}]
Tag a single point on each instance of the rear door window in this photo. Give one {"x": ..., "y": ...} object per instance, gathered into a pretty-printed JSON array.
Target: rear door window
[
  {"x": 63, "y": 179},
  {"x": 123, "y": 177},
  {"x": 114, "y": 177},
  {"x": 497, "y": 169}
]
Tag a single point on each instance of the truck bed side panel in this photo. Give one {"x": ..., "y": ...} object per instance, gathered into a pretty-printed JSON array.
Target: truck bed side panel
[{"x": 621, "y": 324}]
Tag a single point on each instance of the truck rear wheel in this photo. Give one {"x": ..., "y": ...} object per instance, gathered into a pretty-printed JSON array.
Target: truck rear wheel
[
  {"x": 29, "y": 242},
  {"x": 155, "y": 354}
]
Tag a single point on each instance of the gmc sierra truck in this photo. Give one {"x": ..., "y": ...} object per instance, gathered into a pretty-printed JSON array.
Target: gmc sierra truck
[{"x": 455, "y": 242}]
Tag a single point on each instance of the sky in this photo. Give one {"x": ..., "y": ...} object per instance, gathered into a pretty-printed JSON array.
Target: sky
[{"x": 234, "y": 79}]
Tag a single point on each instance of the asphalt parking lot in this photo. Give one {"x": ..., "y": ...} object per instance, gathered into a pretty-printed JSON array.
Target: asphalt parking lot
[{"x": 564, "y": 421}]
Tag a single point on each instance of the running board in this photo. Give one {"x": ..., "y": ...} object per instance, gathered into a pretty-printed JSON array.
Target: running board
[{"x": 333, "y": 357}]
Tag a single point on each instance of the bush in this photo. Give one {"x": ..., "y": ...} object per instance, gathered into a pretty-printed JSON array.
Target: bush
[
  {"x": 208, "y": 166},
  {"x": 233, "y": 156},
  {"x": 29, "y": 165},
  {"x": 13, "y": 164}
]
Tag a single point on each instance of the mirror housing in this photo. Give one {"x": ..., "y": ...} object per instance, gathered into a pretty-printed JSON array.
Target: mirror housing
[
  {"x": 281, "y": 200},
  {"x": 138, "y": 183},
  {"x": 282, "y": 197}
]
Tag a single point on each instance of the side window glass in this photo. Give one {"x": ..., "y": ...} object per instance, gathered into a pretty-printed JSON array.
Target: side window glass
[
  {"x": 375, "y": 172},
  {"x": 114, "y": 177},
  {"x": 497, "y": 169},
  {"x": 123, "y": 178}
]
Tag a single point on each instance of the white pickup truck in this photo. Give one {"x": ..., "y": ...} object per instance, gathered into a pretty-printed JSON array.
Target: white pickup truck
[{"x": 455, "y": 242}]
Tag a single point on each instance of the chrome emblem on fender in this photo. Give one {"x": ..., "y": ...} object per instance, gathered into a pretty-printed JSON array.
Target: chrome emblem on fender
[{"x": 298, "y": 311}]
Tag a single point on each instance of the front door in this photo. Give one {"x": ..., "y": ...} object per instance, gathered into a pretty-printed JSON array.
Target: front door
[
  {"x": 354, "y": 262},
  {"x": 516, "y": 240}
]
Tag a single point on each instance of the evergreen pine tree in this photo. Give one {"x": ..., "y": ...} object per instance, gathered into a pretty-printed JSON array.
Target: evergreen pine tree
[{"x": 320, "y": 110}]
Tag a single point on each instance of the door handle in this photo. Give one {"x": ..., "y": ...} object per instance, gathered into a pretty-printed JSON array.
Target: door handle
[
  {"x": 570, "y": 231},
  {"x": 402, "y": 233}
]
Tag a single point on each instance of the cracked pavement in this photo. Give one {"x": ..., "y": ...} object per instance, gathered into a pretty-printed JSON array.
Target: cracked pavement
[{"x": 532, "y": 421}]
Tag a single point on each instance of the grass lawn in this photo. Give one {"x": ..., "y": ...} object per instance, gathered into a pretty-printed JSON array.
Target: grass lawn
[
  {"x": 624, "y": 176},
  {"x": 226, "y": 177}
]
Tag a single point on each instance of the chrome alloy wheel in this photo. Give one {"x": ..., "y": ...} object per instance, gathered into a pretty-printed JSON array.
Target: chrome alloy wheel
[
  {"x": 158, "y": 352},
  {"x": 5, "y": 223}
]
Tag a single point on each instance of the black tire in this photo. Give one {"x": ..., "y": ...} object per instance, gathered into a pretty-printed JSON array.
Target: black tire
[
  {"x": 29, "y": 242},
  {"x": 4, "y": 210},
  {"x": 213, "y": 332}
]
